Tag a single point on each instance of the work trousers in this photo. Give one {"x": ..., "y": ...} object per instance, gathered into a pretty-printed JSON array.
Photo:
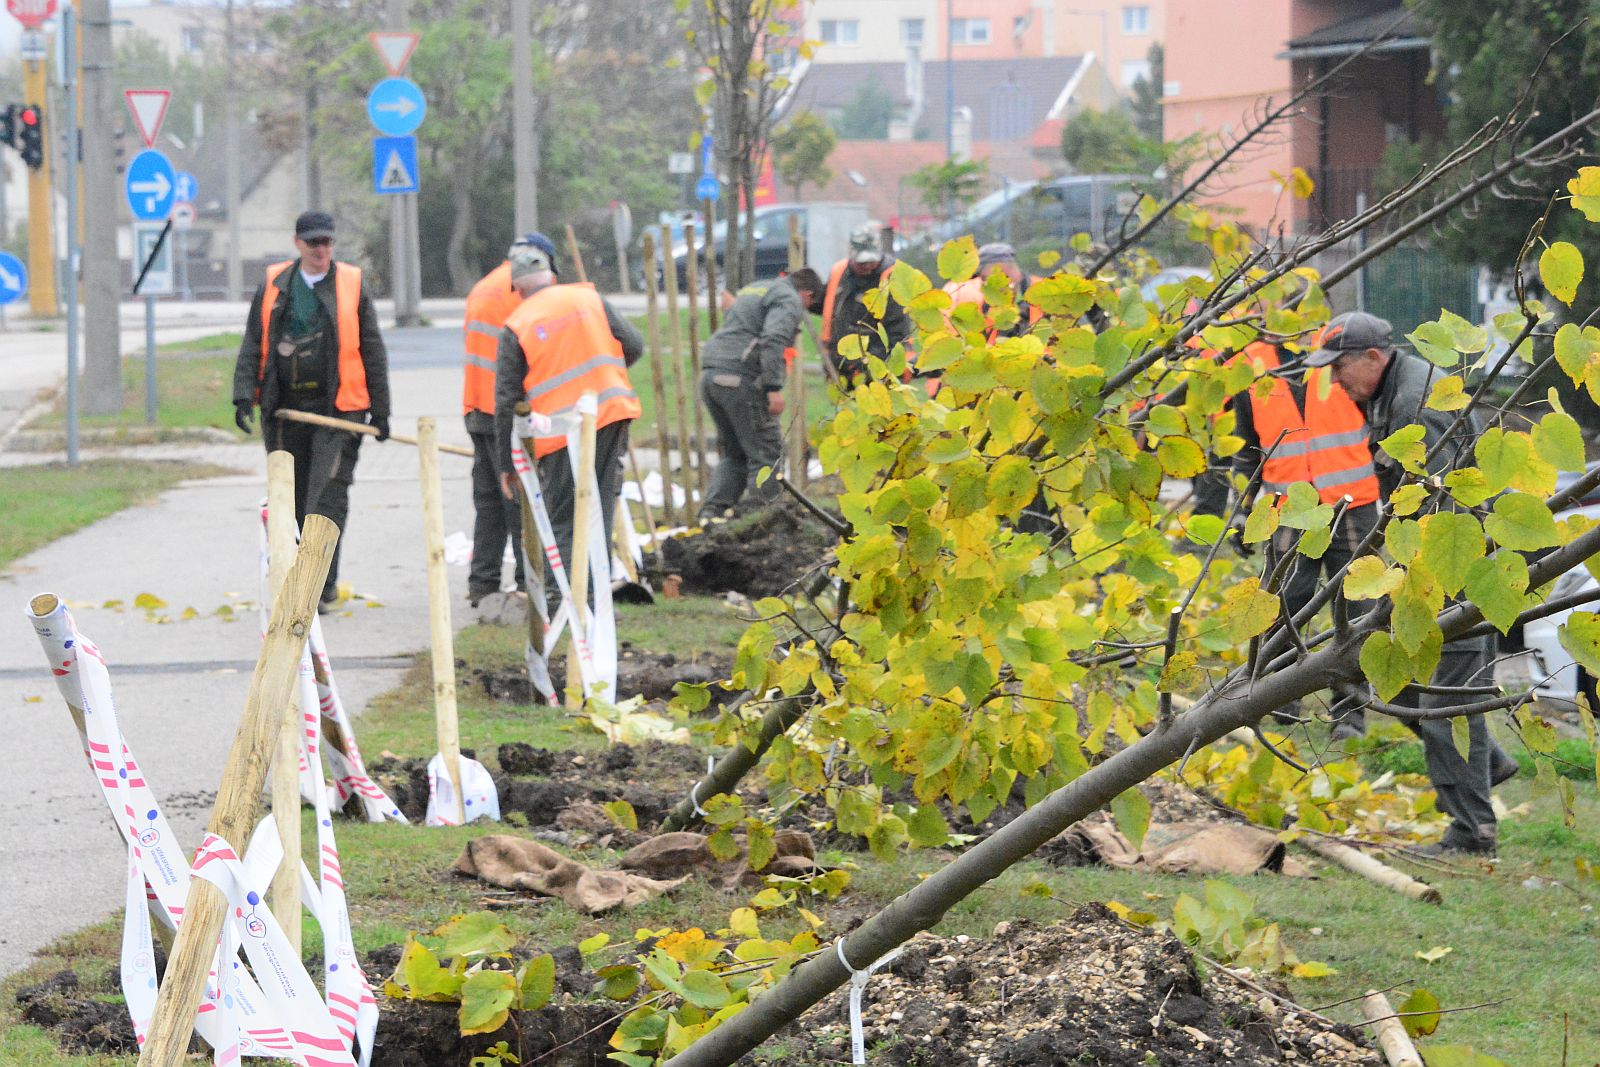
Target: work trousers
[
  {"x": 498, "y": 520},
  {"x": 748, "y": 439},
  {"x": 324, "y": 467},
  {"x": 1461, "y": 785},
  {"x": 555, "y": 481}
]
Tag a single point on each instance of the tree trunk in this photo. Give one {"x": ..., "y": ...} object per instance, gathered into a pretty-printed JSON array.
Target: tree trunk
[
  {"x": 1236, "y": 703},
  {"x": 462, "y": 274}
]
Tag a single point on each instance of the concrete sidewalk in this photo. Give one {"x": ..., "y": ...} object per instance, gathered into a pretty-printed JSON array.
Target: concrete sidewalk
[{"x": 180, "y": 687}]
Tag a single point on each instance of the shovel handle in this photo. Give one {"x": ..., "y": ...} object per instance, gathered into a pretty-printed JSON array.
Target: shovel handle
[{"x": 311, "y": 419}]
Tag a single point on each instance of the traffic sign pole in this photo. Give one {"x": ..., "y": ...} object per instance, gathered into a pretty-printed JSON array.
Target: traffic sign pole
[{"x": 406, "y": 281}]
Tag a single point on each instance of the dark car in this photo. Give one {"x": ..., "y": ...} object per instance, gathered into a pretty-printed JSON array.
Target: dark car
[{"x": 1047, "y": 213}]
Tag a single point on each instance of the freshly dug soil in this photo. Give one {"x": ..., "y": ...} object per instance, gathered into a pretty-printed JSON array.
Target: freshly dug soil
[
  {"x": 651, "y": 675},
  {"x": 79, "y": 1021},
  {"x": 1088, "y": 990},
  {"x": 418, "y": 1034},
  {"x": 759, "y": 555},
  {"x": 541, "y": 785}
]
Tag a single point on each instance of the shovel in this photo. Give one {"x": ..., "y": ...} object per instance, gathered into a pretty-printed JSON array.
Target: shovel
[{"x": 459, "y": 789}]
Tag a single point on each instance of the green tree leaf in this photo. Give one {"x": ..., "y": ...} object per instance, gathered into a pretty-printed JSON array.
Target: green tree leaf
[
  {"x": 486, "y": 1001},
  {"x": 705, "y": 990},
  {"x": 1580, "y": 635},
  {"x": 1386, "y": 665},
  {"x": 1419, "y": 1012},
  {"x": 1012, "y": 484},
  {"x": 1559, "y": 441},
  {"x": 1303, "y": 510},
  {"x": 1406, "y": 446},
  {"x": 1369, "y": 579},
  {"x": 1496, "y": 585},
  {"x": 1263, "y": 520},
  {"x": 1585, "y": 190},
  {"x": 958, "y": 259},
  {"x": 927, "y": 827},
  {"x": 1451, "y": 543},
  {"x": 536, "y": 982},
  {"x": 1501, "y": 456},
  {"x": 1522, "y": 522},
  {"x": 1180, "y": 457},
  {"x": 1561, "y": 270},
  {"x": 1577, "y": 350},
  {"x": 1131, "y": 811}
]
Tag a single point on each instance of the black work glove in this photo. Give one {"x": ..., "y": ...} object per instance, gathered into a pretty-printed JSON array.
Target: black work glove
[
  {"x": 241, "y": 415},
  {"x": 381, "y": 424}
]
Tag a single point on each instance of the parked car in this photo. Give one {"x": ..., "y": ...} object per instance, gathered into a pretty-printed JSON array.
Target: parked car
[
  {"x": 824, "y": 227},
  {"x": 1047, "y": 213},
  {"x": 1546, "y": 666}
]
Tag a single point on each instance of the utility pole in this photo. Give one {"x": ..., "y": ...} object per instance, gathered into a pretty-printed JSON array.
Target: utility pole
[
  {"x": 404, "y": 242},
  {"x": 525, "y": 165},
  {"x": 230, "y": 134},
  {"x": 41, "y": 198},
  {"x": 102, "y": 270},
  {"x": 69, "y": 272}
]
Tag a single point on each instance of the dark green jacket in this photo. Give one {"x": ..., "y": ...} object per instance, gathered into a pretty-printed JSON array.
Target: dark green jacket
[{"x": 763, "y": 321}]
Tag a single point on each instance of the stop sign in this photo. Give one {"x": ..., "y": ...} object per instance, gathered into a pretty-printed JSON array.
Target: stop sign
[{"x": 31, "y": 13}]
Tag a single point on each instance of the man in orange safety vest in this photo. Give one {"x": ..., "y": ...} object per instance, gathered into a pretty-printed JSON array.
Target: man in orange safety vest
[
  {"x": 311, "y": 343},
  {"x": 561, "y": 342}
]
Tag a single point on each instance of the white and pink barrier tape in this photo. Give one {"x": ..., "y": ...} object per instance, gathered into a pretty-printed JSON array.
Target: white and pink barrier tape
[
  {"x": 597, "y": 648},
  {"x": 284, "y": 1018}
]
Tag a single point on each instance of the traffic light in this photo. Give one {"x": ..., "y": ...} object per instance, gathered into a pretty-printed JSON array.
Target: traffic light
[
  {"x": 8, "y": 125},
  {"x": 30, "y": 135}
]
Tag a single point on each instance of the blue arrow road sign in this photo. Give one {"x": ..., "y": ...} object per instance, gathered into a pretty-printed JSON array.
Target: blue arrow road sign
[
  {"x": 185, "y": 188},
  {"x": 394, "y": 164},
  {"x": 150, "y": 185},
  {"x": 13, "y": 278},
  {"x": 707, "y": 188},
  {"x": 396, "y": 106}
]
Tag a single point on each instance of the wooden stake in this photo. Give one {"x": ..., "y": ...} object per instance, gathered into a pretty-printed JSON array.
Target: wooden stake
[
  {"x": 797, "y": 372},
  {"x": 713, "y": 294},
  {"x": 576, "y": 254},
  {"x": 658, "y": 376},
  {"x": 233, "y": 816},
  {"x": 283, "y": 896},
  {"x": 1379, "y": 873},
  {"x": 583, "y": 504},
  {"x": 1391, "y": 1032},
  {"x": 649, "y": 515},
  {"x": 444, "y": 654},
  {"x": 361, "y": 428},
  {"x": 702, "y": 478},
  {"x": 675, "y": 338}
]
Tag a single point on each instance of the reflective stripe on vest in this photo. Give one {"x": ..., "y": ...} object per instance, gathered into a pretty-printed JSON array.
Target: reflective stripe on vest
[
  {"x": 830, "y": 298},
  {"x": 1326, "y": 445},
  {"x": 347, "y": 328},
  {"x": 570, "y": 351},
  {"x": 489, "y": 303}
]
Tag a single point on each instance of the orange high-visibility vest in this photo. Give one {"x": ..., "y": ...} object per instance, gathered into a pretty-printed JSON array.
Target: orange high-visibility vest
[
  {"x": 570, "y": 351},
  {"x": 489, "y": 304},
  {"x": 1325, "y": 445},
  {"x": 347, "y": 327},
  {"x": 829, "y": 297}
]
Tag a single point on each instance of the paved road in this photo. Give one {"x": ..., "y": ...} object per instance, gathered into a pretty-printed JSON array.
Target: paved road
[{"x": 180, "y": 686}]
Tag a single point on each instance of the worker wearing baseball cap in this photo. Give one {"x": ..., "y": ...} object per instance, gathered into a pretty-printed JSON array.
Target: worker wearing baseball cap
[
  {"x": 1391, "y": 389},
  {"x": 844, "y": 311}
]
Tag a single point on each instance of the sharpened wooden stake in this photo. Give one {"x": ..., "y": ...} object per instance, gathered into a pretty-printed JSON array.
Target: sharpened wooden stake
[
  {"x": 1372, "y": 870},
  {"x": 692, "y": 299},
  {"x": 658, "y": 379},
  {"x": 445, "y": 723},
  {"x": 283, "y": 896},
  {"x": 675, "y": 340},
  {"x": 233, "y": 816},
  {"x": 644, "y": 501},
  {"x": 1391, "y": 1032},
  {"x": 583, "y": 505},
  {"x": 363, "y": 429}
]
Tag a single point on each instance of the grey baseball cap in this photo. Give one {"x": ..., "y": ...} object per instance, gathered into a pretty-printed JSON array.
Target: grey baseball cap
[
  {"x": 1354, "y": 331},
  {"x": 864, "y": 246},
  {"x": 996, "y": 252}
]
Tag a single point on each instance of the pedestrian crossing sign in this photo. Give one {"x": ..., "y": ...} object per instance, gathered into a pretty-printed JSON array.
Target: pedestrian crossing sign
[{"x": 394, "y": 165}]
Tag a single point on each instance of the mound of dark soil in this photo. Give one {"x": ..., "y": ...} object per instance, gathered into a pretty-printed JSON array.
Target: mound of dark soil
[
  {"x": 652, "y": 675},
  {"x": 78, "y": 1020},
  {"x": 541, "y": 785},
  {"x": 759, "y": 555},
  {"x": 1089, "y": 990}
]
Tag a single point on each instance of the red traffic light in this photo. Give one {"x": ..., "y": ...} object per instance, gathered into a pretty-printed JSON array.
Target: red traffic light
[{"x": 29, "y": 116}]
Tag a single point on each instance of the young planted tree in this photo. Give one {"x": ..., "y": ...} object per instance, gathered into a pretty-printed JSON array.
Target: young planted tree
[
  {"x": 950, "y": 186},
  {"x": 745, "y": 47},
  {"x": 800, "y": 152},
  {"x": 978, "y": 652}
]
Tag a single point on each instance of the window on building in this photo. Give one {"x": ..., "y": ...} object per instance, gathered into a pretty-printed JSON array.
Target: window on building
[
  {"x": 969, "y": 31},
  {"x": 193, "y": 39},
  {"x": 1136, "y": 20},
  {"x": 1133, "y": 70},
  {"x": 841, "y": 31},
  {"x": 911, "y": 31}
]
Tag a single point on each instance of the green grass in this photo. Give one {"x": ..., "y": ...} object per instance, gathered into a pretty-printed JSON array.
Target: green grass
[
  {"x": 42, "y": 503},
  {"x": 226, "y": 342},
  {"x": 191, "y": 391}
]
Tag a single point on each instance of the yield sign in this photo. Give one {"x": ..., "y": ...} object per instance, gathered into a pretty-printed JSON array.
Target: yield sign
[
  {"x": 149, "y": 107},
  {"x": 394, "y": 49}
]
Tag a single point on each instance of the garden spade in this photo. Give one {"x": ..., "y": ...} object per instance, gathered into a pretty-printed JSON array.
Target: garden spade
[{"x": 459, "y": 789}]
